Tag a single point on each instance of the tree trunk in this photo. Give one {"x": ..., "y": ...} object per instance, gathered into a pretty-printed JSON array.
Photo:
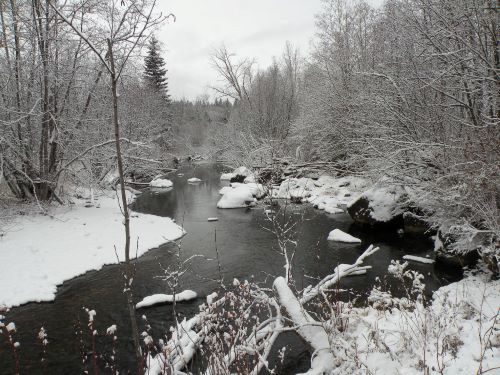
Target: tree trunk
[{"x": 128, "y": 266}]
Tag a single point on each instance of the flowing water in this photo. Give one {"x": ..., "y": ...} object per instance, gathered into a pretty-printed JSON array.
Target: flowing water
[{"x": 236, "y": 246}]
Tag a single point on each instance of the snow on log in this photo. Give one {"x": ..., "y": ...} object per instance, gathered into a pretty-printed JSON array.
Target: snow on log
[
  {"x": 309, "y": 329},
  {"x": 161, "y": 183},
  {"x": 343, "y": 270},
  {"x": 339, "y": 236},
  {"x": 156, "y": 299},
  {"x": 418, "y": 259},
  {"x": 184, "y": 342}
]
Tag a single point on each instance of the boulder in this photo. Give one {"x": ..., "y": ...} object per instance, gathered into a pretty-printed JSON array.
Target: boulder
[
  {"x": 416, "y": 224},
  {"x": 455, "y": 248},
  {"x": 380, "y": 206},
  {"x": 238, "y": 178}
]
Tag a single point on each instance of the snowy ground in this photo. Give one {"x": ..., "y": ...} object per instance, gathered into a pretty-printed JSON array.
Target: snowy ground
[
  {"x": 41, "y": 252},
  {"x": 459, "y": 333}
]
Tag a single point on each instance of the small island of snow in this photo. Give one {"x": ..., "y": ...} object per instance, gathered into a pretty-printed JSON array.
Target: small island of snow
[
  {"x": 339, "y": 236},
  {"x": 161, "y": 183},
  {"x": 156, "y": 299}
]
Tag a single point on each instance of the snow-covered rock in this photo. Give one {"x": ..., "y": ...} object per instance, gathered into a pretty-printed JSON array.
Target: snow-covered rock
[
  {"x": 194, "y": 180},
  {"x": 243, "y": 172},
  {"x": 155, "y": 299},
  {"x": 257, "y": 190},
  {"x": 250, "y": 179},
  {"x": 227, "y": 176},
  {"x": 339, "y": 236},
  {"x": 379, "y": 206},
  {"x": 236, "y": 197},
  {"x": 294, "y": 188},
  {"x": 239, "y": 195},
  {"x": 161, "y": 183}
]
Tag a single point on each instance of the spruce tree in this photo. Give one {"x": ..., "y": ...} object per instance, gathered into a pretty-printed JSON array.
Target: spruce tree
[{"x": 154, "y": 69}]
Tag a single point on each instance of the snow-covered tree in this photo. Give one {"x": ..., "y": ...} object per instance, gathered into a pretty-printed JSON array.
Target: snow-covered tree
[{"x": 154, "y": 68}]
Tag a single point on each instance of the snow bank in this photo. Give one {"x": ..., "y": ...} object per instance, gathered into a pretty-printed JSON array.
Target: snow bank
[
  {"x": 41, "y": 252},
  {"x": 327, "y": 193},
  {"x": 294, "y": 188},
  {"x": 339, "y": 236},
  {"x": 161, "y": 183},
  {"x": 193, "y": 180},
  {"x": 155, "y": 299},
  {"x": 455, "y": 330}
]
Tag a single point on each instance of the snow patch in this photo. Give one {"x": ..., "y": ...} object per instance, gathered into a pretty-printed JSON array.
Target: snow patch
[
  {"x": 161, "y": 183},
  {"x": 339, "y": 236},
  {"x": 418, "y": 259},
  {"x": 155, "y": 299}
]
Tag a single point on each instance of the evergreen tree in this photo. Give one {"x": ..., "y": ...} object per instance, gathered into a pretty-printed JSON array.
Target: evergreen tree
[{"x": 154, "y": 68}]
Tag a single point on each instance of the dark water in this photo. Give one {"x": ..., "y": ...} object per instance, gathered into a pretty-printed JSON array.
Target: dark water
[{"x": 245, "y": 251}]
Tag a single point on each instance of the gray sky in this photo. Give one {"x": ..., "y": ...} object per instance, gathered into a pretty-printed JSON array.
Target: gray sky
[{"x": 249, "y": 28}]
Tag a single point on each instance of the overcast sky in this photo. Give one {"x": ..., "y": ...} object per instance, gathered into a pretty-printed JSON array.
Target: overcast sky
[{"x": 249, "y": 28}]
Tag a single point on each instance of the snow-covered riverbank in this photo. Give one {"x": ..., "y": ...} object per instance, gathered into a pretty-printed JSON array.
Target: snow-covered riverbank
[{"x": 41, "y": 252}]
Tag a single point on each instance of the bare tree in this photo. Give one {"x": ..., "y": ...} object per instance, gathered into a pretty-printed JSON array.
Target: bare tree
[{"x": 126, "y": 28}]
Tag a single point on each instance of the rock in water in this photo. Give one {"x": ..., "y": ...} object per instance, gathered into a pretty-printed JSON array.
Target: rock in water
[{"x": 380, "y": 206}]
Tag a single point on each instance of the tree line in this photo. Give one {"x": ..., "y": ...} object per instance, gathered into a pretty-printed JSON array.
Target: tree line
[
  {"x": 408, "y": 92},
  {"x": 55, "y": 102}
]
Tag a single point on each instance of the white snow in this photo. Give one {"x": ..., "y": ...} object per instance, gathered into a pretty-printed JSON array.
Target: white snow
[
  {"x": 111, "y": 330},
  {"x": 250, "y": 179},
  {"x": 211, "y": 298},
  {"x": 212, "y": 219},
  {"x": 11, "y": 327},
  {"x": 309, "y": 329},
  {"x": 41, "y": 252},
  {"x": 294, "y": 188},
  {"x": 241, "y": 171},
  {"x": 257, "y": 190},
  {"x": 227, "y": 176},
  {"x": 155, "y": 299},
  {"x": 418, "y": 259},
  {"x": 455, "y": 332},
  {"x": 330, "y": 194},
  {"x": 384, "y": 201},
  {"x": 339, "y": 236},
  {"x": 194, "y": 180},
  {"x": 240, "y": 195},
  {"x": 161, "y": 183}
]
